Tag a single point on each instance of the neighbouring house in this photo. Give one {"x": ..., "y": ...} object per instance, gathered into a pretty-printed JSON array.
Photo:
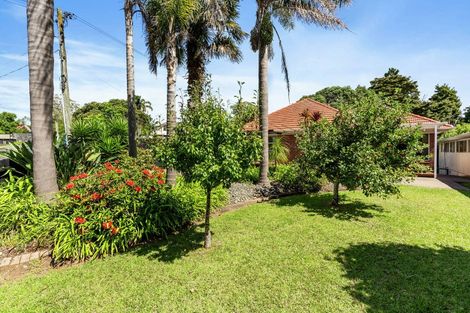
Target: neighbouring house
[
  {"x": 454, "y": 155},
  {"x": 286, "y": 123}
]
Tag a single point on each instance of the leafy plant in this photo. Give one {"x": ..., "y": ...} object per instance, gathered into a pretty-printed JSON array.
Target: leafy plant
[
  {"x": 294, "y": 178},
  {"x": 279, "y": 153}
]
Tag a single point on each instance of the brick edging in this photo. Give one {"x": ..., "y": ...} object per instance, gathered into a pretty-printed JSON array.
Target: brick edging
[{"x": 23, "y": 258}]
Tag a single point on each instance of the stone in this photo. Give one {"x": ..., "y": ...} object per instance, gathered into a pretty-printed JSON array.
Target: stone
[
  {"x": 5, "y": 262},
  {"x": 16, "y": 260}
]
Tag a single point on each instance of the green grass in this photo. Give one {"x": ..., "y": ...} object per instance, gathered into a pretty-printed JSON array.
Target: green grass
[{"x": 408, "y": 254}]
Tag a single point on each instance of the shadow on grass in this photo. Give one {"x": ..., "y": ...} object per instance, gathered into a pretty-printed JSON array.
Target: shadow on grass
[
  {"x": 394, "y": 277},
  {"x": 174, "y": 247},
  {"x": 320, "y": 204}
]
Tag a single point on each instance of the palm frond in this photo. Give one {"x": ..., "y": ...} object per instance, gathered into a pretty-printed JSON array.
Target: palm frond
[{"x": 284, "y": 68}]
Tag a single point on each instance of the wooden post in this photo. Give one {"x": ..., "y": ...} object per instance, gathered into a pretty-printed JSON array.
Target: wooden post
[
  {"x": 435, "y": 151},
  {"x": 64, "y": 79}
]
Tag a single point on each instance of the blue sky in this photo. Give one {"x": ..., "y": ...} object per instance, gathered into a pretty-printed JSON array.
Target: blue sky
[{"x": 428, "y": 40}]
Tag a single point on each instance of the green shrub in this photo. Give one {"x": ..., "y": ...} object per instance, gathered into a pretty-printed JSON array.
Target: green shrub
[
  {"x": 110, "y": 210},
  {"x": 23, "y": 220},
  {"x": 295, "y": 178},
  {"x": 251, "y": 175}
]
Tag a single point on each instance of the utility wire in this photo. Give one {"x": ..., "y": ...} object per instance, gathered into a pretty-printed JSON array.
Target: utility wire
[
  {"x": 18, "y": 69},
  {"x": 16, "y": 3}
]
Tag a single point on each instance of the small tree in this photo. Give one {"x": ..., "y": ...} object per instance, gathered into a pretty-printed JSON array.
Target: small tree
[
  {"x": 209, "y": 147},
  {"x": 278, "y": 153},
  {"x": 367, "y": 145}
]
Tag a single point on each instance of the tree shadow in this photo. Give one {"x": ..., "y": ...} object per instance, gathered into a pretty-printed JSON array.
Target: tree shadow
[
  {"x": 392, "y": 277},
  {"x": 320, "y": 204},
  {"x": 173, "y": 247}
]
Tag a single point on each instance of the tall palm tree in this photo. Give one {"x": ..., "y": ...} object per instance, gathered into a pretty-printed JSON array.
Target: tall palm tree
[
  {"x": 131, "y": 119},
  {"x": 40, "y": 19},
  {"x": 167, "y": 27},
  {"x": 214, "y": 33},
  {"x": 319, "y": 12}
]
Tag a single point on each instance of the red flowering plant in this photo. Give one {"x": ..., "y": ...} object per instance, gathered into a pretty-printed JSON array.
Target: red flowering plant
[{"x": 109, "y": 210}]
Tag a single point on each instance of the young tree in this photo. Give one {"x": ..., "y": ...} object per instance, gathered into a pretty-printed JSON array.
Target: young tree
[
  {"x": 278, "y": 153},
  {"x": 444, "y": 105},
  {"x": 398, "y": 88},
  {"x": 210, "y": 148},
  {"x": 40, "y": 20},
  {"x": 367, "y": 146},
  {"x": 286, "y": 12}
]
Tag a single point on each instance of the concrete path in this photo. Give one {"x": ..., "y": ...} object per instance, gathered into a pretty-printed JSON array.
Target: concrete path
[{"x": 444, "y": 182}]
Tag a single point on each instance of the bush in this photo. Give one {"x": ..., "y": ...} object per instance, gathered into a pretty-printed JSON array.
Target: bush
[
  {"x": 110, "y": 210},
  {"x": 23, "y": 220},
  {"x": 294, "y": 178},
  {"x": 123, "y": 203},
  {"x": 251, "y": 175}
]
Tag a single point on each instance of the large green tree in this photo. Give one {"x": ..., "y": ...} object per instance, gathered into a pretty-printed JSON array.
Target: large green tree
[
  {"x": 9, "y": 123},
  {"x": 117, "y": 109},
  {"x": 367, "y": 146},
  {"x": 466, "y": 115},
  {"x": 286, "y": 12},
  {"x": 334, "y": 95},
  {"x": 213, "y": 33},
  {"x": 209, "y": 147},
  {"x": 167, "y": 26},
  {"x": 399, "y": 88},
  {"x": 40, "y": 28},
  {"x": 444, "y": 105}
]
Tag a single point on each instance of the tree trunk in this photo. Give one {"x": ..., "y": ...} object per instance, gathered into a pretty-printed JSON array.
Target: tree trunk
[
  {"x": 196, "y": 68},
  {"x": 40, "y": 17},
  {"x": 131, "y": 120},
  {"x": 207, "y": 230},
  {"x": 171, "y": 66},
  {"x": 263, "y": 111},
  {"x": 335, "y": 201}
]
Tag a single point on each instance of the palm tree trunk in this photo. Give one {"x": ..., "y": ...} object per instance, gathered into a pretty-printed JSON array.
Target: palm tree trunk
[
  {"x": 196, "y": 67},
  {"x": 207, "y": 230},
  {"x": 263, "y": 110},
  {"x": 40, "y": 17},
  {"x": 171, "y": 66},
  {"x": 131, "y": 121}
]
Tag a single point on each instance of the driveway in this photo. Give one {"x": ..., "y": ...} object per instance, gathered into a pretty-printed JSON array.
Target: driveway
[{"x": 444, "y": 182}]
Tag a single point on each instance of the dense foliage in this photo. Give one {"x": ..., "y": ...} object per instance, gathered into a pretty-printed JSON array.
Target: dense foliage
[
  {"x": 9, "y": 123},
  {"x": 466, "y": 115},
  {"x": 334, "y": 95},
  {"x": 116, "y": 109},
  {"x": 295, "y": 178},
  {"x": 365, "y": 146},
  {"x": 210, "y": 148},
  {"x": 279, "y": 152},
  {"x": 444, "y": 105},
  {"x": 457, "y": 130},
  {"x": 398, "y": 88}
]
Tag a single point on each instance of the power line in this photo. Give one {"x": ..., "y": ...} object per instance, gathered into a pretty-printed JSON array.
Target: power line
[
  {"x": 101, "y": 31},
  {"x": 16, "y": 3},
  {"x": 18, "y": 69}
]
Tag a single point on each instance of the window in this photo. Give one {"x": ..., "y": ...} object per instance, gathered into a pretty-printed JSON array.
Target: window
[
  {"x": 462, "y": 146},
  {"x": 452, "y": 147},
  {"x": 446, "y": 147}
]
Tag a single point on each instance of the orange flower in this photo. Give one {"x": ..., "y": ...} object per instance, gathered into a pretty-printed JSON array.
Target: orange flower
[
  {"x": 73, "y": 178},
  {"x": 130, "y": 183},
  {"x": 114, "y": 230},
  {"x": 77, "y": 196},
  {"x": 69, "y": 186},
  {"x": 161, "y": 182},
  {"x": 138, "y": 189},
  {"x": 83, "y": 175},
  {"x": 96, "y": 196},
  {"x": 109, "y": 166},
  {"x": 119, "y": 171},
  {"x": 107, "y": 225},
  {"x": 79, "y": 220}
]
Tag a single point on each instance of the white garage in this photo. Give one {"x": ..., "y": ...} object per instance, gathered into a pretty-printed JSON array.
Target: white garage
[{"x": 454, "y": 155}]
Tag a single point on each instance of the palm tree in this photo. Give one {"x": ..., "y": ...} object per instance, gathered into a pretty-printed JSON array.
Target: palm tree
[
  {"x": 214, "y": 33},
  {"x": 319, "y": 12},
  {"x": 40, "y": 19},
  {"x": 131, "y": 120},
  {"x": 278, "y": 153},
  {"x": 166, "y": 30}
]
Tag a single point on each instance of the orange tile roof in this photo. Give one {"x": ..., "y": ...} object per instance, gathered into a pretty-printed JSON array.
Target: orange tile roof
[{"x": 289, "y": 118}]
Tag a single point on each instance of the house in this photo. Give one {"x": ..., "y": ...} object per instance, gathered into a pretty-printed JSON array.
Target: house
[
  {"x": 454, "y": 155},
  {"x": 286, "y": 123}
]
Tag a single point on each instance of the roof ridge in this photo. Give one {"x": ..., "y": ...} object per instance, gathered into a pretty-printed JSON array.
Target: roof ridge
[
  {"x": 425, "y": 117},
  {"x": 322, "y": 104}
]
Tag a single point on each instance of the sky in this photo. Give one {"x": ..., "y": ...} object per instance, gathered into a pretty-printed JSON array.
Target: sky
[{"x": 428, "y": 40}]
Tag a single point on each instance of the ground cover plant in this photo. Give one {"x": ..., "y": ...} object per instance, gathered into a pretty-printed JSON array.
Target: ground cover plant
[{"x": 407, "y": 254}]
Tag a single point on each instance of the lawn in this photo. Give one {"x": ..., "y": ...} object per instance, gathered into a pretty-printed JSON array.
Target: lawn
[{"x": 408, "y": 254}]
